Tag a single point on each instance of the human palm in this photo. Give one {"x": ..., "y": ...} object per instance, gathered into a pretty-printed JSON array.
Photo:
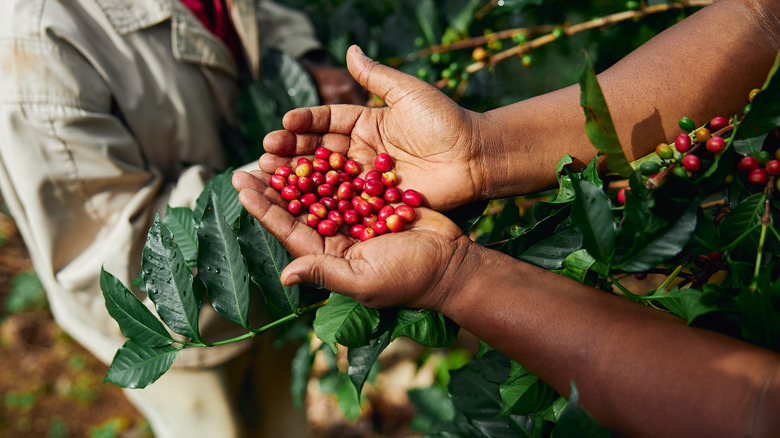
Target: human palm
[
  {"x": 414, "y": 267},
  {"x": 434, "y": 142}
]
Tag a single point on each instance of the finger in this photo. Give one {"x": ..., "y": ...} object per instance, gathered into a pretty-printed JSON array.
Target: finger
[
  {"x": 297, "y": 237},
  {"x": 337, "y": 119},
  {"x": 386, "y": 82},
  {"x": 287, "y": 143},
  {"x": 249, "y": 180}
]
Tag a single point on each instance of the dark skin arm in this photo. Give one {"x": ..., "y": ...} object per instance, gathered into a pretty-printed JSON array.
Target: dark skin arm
[{"x": 639, "y": 371}]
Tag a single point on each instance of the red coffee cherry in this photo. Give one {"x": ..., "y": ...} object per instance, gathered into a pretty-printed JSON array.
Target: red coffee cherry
[
  {"x": 380, "y": 227},
  {"x": 319, "y": 210},
  {"x": 295, "y": 207},
  {"x": 326, "y": 190},
  {"x": 320, "y": 165},
  {"x": 344, "y": 205},
  {"x": 312, "y": 220},
  {"x": 772, "y": 167},
  {"x": 718, "y": 123},
  {"x": 344, "y": 177},
  {"x": 322, "y": 153},
  {"x": 376, "y": 203},
  {"x": 284, "y": 171},
  {"x": 278, "y": 182},
  {"x": 373, "y": 187},
  {"x": 363, "y": 207},
  {"x": 747, "y": 164},
  {"x": 383, "y": 162},
  {"x": 395, "y": 223},
  {"x": 385, "y": 211},
  {"x": 332, "y": 177},
  {"x": 291, "y": 192},
  {"x": 336, "y": 217},
  {"x": 336, "y": 160},
  {"x": 351, "y": 216},
  {"x": 327, "y": 228},
  {"x": 715, "y": 145},
  {"x": 368, "y": 233},
  {"x": 345, "y": 191},
  {"x": 369, "y": 220},
  {"x": 691, "y": 163},
  {"x": 317, "y": 178},
  {"x": 392, "y": 194},
  {"x": 373, "y": 174},
  {"x": 352, "y": 167},
  {"x": 305, "y": 184},
  {"x": 389, "y": 179},
  {"x": 292, "y": 179},
  {"x": 621, "y": 196},
  {"x": 406, "y": 212},
  {"x": 358, "y": 183},
  {"x": 682, "y": 143},
  {"x": 412, "y": 197},
  {"x": 758, "y": 176},
  {"x": 330, "y": 202},
  {"x": 304, "y": 169},
  {"x": 356, "y": 230},
  {"x": 308, "y": 199}
]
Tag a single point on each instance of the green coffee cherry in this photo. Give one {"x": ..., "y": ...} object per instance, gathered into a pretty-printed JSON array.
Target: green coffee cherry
[
  {"x": 649, "y": 168},
  {"x": 686, "y": 124}
]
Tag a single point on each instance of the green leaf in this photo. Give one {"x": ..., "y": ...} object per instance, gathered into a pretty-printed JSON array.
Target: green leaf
[
  {"x": 524, "y": 393},
  {"x": 591, "y": 213},
  {"x": 758, "y": 313},
  {"x": 433, "y": 406},
  {"x": 222, "y": 185},
  {"x": 220, "y": 265},
  {"x": 301, "y": 367},
  {"x": 169, "y": 281},
  {"x": 426, "y": 327},
  {"x": 460, "y": 13},
  {"x": 135, "y": 320},
  {"x": 362, "y": 359},
  {"x": 750, "y": 146},
  {"x": 26, "y": 293},
  {"x": 340, "y": 385},
  {"x": 743, "y": 223},
  {"x": 764, "y": 115},
  {"x": 136, "y": 365},
  {"x": 550, "y": 253},
  {"x": 575, "y": 421},
  {"x": 288, "y": 81},
  {"x": 685, "y": 303},
  {"x": 474, "y": 391},
  {"x": 345, "y": 321},
  {"x": 181, "y": 223},
  {"x": 598, "y": 122},
  {"x": 654, "y": 247},
  {"x": 266, "y": 259}
]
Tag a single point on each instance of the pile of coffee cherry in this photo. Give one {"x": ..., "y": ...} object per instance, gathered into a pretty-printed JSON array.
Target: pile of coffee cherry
[{"x": 329, "y": 190}]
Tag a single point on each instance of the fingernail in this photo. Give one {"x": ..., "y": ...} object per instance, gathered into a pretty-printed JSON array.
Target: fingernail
[{"x": 360, "y": 51}]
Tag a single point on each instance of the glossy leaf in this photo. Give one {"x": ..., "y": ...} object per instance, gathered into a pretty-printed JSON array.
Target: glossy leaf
[
  {"x": 300, "y": 369},
  {"x": 685, "y": 303},
  {"x": 579, "y": 264},
  {"x": 345, "y": 321},
  {"x": 474, "y": 391},
  {"x": 432, "y": 405},
  {"x": 764, "y": 114},
  {"x": 550, "y": 253},
  {"x": 169, "y": 282},
  {"x": 426, "y": 327},
  {"x": 135, "y": 320},
  {"x": 575, "y": 421},
  {"x": 460, "y": 13},
  {"x": 743, "y": 223},
  {"x": 222, "y": 185},
  {"x": 220, "y": 265},
  {"x": 591, "y": 214},
  {"x": 657, "y": 246},
  {"x": 362, "y": 359},
  {"x": 524, "y": 393},
  {"x": 288, "y": 82},
  {"x": 759, "y": 312},
  {"x": 598, "y": 123},
  {"x": 137, "y": 366},
  {"x": 426, "y": 17},
  {"x": 179, "y": 220},
  {"x": 266, "y": 259}
]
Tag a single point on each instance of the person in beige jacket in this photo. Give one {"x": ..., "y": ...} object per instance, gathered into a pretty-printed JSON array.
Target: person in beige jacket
[{"x": 109, "y": 111}]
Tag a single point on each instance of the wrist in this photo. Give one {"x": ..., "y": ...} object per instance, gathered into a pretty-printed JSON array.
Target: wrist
[{"x": 463, "y": 276}]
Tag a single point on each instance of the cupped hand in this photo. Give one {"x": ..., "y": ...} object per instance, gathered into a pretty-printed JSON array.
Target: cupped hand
[
  {"x": 435, "y": 143},
  {"x": 418, "y": 267}
]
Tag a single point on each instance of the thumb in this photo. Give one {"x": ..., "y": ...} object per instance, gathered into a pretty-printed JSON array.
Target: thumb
[
  {"x": 386, "y": 82},
  {"x": 334, "y": 273}
]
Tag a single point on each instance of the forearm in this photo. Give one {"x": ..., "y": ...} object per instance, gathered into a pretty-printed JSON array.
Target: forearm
[
  {"x": 638, "y": 370},
  {"x": 702, "y": 67}
]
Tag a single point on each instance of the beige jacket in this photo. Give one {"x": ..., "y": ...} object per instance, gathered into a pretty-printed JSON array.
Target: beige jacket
[{"x": 109, "y": 110}]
